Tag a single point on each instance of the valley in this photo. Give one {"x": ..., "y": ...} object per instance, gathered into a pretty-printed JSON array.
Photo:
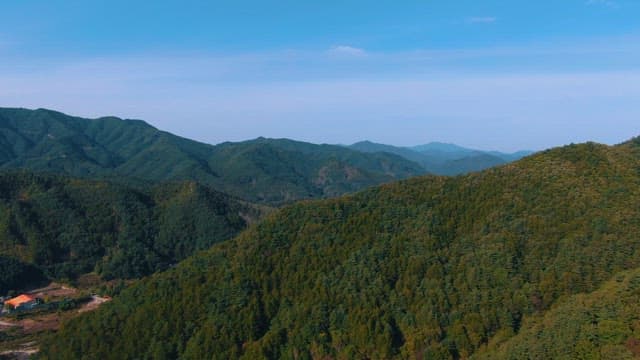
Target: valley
[{"x": 21, "y": 332}]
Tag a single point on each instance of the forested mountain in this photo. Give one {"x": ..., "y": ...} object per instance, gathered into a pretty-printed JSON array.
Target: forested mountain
[
  {"x": 426, "y": 268},
  {"x": 64, "y": 227},
  {"x": 280, "y": 170},
  {"x": 444, "y": 159},
  {"x": 263, "y": 170}
]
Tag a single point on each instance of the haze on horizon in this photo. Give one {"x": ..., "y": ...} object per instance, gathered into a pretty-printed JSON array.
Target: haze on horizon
[{"x": 527, "y": 75}]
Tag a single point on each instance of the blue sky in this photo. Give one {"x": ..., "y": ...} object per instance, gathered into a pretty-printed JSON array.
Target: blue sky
[{"x": 489, "y": 74}]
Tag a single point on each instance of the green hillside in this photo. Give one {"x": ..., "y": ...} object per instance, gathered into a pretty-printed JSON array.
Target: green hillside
[
  {"x": 427, "y": 268},
  {"x": 263, "y": 170},
  {"x": 65, "y": 227}
]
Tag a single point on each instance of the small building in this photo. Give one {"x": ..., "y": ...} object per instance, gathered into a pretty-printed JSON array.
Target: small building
[{"x": 23, "y": 301}]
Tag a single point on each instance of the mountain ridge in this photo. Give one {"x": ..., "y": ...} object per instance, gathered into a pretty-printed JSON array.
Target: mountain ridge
[
  {"x": 444, "y": 158},
  {"x": 268, "y": 171}
]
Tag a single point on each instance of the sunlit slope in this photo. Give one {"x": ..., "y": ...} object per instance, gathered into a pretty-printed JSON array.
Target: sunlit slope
[
  {"x": 428, "y": 268},
  {"x": 603, "y": 324}
]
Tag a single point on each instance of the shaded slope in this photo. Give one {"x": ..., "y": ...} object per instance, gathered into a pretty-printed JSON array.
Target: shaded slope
[
  {"x": 66, "y": 227},
  {"x": 425, "y": 268},
  {"x": 262, "y": 170},
  {"x": 16, "y": 275}
]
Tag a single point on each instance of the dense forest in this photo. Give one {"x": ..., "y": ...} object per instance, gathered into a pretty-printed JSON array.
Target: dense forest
[
  {"x": 267, "y": 171},
  {"x": 604, "y": 324},
  {"x": 64, "y": 227},
  {"x": 426, "y": 268}
]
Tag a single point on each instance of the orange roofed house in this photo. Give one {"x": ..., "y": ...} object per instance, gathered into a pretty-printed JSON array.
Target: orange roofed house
[{"x": 21, "y": 300}]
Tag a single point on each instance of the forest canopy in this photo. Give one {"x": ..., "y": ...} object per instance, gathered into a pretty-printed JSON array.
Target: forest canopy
[
  {"x": 431, "y": 268},
  {"x": 65, "y": 227}
]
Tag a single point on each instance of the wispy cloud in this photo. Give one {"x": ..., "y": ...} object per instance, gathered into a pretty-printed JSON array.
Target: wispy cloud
[
  {"x": 347, "y": 50},
  {"x": 394, "y": 97},
  {"x": 481, "y": 20},
  {"x": 514, "y": 111}
]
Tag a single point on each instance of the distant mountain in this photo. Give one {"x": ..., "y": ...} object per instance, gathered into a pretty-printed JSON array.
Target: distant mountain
[
  {"x": 280, "y": 170},
  {"x": 407, "y": 153},
  {"x": 439, "y": 147},
  {"x": 489, "y": 263},
  {"x": 444, "y": 159},
  {"x": 262, "y": 170},
  {"x": 454, "y": 152},
  {"x": 65, "y": 227},
  {"x": 511, "y": 156}
]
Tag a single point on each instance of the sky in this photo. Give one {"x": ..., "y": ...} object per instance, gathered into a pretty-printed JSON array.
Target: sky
[{"x": 487, "y": 74}]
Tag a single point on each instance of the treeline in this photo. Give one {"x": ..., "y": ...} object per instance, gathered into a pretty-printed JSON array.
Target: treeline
[
  {"x": 429, "y": 268},
  {"x": 66, "y": 227}
]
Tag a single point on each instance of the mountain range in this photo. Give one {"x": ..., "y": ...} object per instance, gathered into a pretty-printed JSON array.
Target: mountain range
[
  {"x": 534, "y": 259},
  {"x": 267, "y": 171},
  {"x": 61, "y": 173},
  {"x": 444, "y": 159}
]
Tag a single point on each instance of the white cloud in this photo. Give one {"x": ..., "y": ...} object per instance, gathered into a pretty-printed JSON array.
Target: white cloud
[
  {"x": 347, "y": 50},
  {"x": 482, "y": 20},
  {"x": 394, "y": 97},
  {"x": 511, "y": 111}
]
